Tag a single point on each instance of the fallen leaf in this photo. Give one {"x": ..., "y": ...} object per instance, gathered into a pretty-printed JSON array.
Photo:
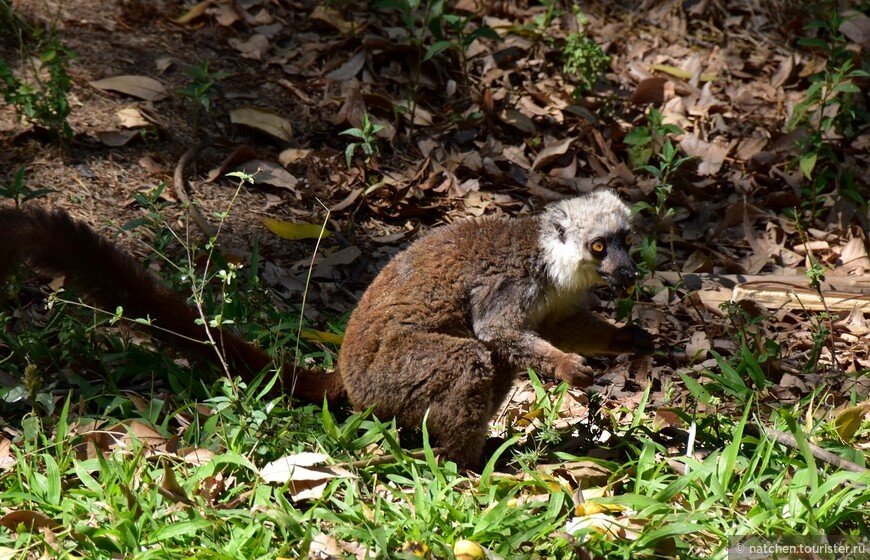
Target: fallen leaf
[
  {"x": 151, "y": 165},
  {"x": 263, "y": 120},
  {"x": 349, "y": 69},
  {"x": 232, "y": 161},
  {"x": 7, "y": 459},
  {"x": 269, "y": 173},
  {"x": 552, "y": 153},
  {"x": 116, "y": 138},
  {"x": 322, "y": 336},
  {"x": 254, "y": 47},
  {"x": 306, "y": 481},
  {"x": 170, "y": 488},
  {"x": 324, "y": 266},
  {"x": 681, "y": 73},
  {"x": 849, "y": 420},
  {"x": 856, "y": 26},
  {"x": 711, "y": 154},
  {"x": 142, "y": 87},
  {"x": 518, "y": 121},
  {"x": 333, "y": 17},
  {"x": 194, "y": 12},
  {"x": 293, "y": 155},
  {"x": 31, "y": 520},
  {"x": 294, "y": 231},
  {"x": 130, "y": 117},
  {"x": 649, "y": 91}
]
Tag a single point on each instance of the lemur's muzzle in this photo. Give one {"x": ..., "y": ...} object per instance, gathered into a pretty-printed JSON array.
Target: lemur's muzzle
[{"x": 620, "y": 272}]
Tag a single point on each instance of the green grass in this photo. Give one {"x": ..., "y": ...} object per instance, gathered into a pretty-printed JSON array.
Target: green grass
[
  {"x": 113, "y": 449},
  {"x": 97, "y": 470}
]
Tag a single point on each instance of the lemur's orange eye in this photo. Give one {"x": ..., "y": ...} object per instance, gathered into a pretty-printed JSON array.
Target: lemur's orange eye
[
  {"x": 597, "y": 246},
  {"x": 628, "y": 239}
]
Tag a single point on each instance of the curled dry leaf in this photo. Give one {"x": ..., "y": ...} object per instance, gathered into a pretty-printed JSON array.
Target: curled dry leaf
[
  {"x": 170, "y": 488},
  {"x": 266, "y": 172},
  {"x": 142, "y": 87},
  {"x": 552, "y": 153},
  {"x": 263, "y": 120},
  {"x": 306, "y": 481},
  {"x": 232, "y": 161}
]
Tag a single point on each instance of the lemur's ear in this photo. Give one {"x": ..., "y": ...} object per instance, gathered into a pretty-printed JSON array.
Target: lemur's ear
[{"x": 559, "y": 219}]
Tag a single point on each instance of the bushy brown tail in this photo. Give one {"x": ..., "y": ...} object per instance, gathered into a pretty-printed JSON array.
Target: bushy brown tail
[{"x": 53, "y": 243}]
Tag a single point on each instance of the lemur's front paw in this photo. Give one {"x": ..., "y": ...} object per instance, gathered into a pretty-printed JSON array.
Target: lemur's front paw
[
  {"x": 632, "y": 339},
  {"x": 573, "y": 369}
]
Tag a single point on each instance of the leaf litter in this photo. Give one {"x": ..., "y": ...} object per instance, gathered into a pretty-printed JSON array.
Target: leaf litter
[{"x": 499, "y": 132}]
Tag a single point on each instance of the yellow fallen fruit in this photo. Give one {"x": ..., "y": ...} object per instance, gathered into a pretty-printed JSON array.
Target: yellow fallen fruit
[{"x": 465, "y": 549}]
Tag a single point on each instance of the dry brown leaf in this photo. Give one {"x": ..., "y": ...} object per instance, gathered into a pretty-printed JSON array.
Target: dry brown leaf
[
  {"x": 349, "y": 69},
  {"x": 518, "y": 121},
  {"x": 255, "y": 47},
  {"x": 711, "y": 154},
  {"x": 226, "y": 14},
  {"x": 142, "y": 87},
  {"x": 326, "y": 265},
  {"x": 552, "y": 153},
  {"x": 115, "y": 138},
  {"x": 131, "y": 117},
  {"x": 650, "y": 91},
  {"x": 170, "y": 488},
  {"x": 786, "y": 67},
  {"x": 30, "y": 520},
  {"x": 128, "y": 432},
  {"x": 333, "y": 17},
  {"x": 268, "y": 173},
  {"x": 856, "y": 27},
  {"x": 293, "y": 155},
  {"x": 263, "y": 120},
  {"x": 7, "y": 458},
  {"x": 853, "y": 256},
  {"x": 239, "y": 156},
  {"x": 152, "y": 165}
]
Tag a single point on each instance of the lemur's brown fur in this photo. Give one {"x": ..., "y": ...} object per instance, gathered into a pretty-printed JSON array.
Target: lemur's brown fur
[
  {"x": 450, "y": 321},
  {"x": 445, "y": 327}
]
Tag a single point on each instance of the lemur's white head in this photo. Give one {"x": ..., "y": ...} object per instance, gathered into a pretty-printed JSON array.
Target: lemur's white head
[{"x": 585, "y": 242}]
